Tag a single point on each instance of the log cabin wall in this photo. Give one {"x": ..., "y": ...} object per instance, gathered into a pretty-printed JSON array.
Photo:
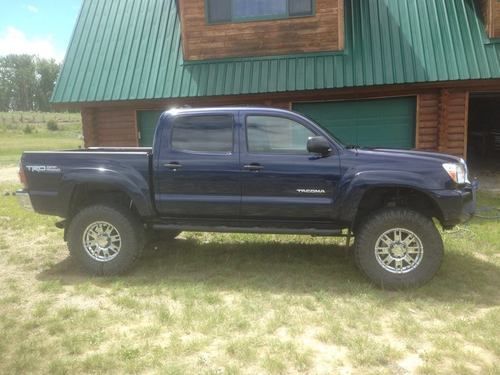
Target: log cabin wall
[
  {"x": 323, "y": 31},
  {"x": 453, "y": 122},
  {"x": 442, "y": 119},
  {"x": 427, "y": 121},
  {"x": 108, "y": 126}
]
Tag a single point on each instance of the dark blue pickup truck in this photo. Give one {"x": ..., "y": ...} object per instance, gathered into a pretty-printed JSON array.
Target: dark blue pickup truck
[{"x": 253, "y": 170}]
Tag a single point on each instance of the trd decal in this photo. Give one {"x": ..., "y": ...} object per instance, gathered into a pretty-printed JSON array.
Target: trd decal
[{"x": 43, "y": 168}]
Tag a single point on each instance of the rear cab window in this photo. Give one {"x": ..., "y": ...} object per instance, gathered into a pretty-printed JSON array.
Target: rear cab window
[{"x": 212, "y": 134}]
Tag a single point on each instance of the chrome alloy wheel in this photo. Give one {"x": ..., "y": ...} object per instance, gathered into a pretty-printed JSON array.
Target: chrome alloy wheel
[
  {"x": 399, "y": 250},
  {"x": 102, "y": 241}
]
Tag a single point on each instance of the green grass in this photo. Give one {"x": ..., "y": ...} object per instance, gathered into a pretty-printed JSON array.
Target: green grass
[
  {"x": 231, "y": 304},
  {"x": 14, "y": 139}
]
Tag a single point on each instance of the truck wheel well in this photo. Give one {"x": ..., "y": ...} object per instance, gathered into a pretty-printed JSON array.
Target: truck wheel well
[
  {"x": 378, "y": 198},
  {"x": 86, "y": 195}
]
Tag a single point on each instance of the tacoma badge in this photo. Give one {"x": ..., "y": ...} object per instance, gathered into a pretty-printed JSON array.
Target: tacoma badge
[{"x": 311, "y": 191}]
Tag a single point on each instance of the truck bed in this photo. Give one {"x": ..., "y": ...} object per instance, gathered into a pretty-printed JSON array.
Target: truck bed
[{"x": 53, "y": 175}]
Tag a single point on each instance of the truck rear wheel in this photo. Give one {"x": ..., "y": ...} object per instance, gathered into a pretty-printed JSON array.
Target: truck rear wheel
[
  {"x": 398, "y": 248},
  {"x": 106, "y": 240}
]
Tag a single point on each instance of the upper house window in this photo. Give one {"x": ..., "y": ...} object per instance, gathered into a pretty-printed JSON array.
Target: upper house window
[{"x": 219, "y": 11}]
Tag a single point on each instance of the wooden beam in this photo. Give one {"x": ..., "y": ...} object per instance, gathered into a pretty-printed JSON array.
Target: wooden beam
[
  {"x": 466, "y": 125},
  {"x": 443, "y": 121},
  {"x": 88, "y": 127}
]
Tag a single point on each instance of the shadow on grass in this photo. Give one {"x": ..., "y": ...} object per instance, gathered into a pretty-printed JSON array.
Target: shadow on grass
[{"x": 294, "y": 268}]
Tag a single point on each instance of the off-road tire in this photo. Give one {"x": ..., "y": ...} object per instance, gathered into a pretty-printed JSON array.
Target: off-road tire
[
  {"x": 129, "y": 227},
  {"x": 389, "y": 218}
]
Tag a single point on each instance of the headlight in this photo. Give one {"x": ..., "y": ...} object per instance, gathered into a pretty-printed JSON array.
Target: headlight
[{"x": 457, "y": 172}]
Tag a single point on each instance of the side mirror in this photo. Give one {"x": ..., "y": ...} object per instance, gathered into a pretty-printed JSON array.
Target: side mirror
[{"x": 319, "y": 145}]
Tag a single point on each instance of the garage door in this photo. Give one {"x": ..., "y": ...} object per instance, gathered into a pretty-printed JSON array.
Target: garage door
[
  {"x": 376, "y": 123},
  {"x": 146, "y": 123}
]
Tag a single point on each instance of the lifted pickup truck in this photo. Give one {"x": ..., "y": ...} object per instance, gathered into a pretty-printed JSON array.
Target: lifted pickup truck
[{"x": 253, "y": 170}]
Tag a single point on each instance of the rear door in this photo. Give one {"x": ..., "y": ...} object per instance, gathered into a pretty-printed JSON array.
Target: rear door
[
  {"x": 280, "y": 179},
  {"x": 198, "y": 167}
]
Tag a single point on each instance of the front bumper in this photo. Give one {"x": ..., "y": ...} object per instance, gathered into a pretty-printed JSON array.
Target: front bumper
[
  {"x": 469, "y": 206},
  {"x": 457, "y": 206},
  {"x": 24, "y": 200}
]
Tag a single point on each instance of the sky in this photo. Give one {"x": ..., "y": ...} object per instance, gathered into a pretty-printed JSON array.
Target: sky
[{"x": 38, "y": 27}]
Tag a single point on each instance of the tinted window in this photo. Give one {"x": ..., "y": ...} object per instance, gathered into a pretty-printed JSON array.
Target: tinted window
[
  {"x": 203, "y": 134},
  {"x": 267, "y": 134}
]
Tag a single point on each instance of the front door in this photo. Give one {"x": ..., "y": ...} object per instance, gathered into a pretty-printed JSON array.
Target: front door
[
  {"x": 198, "y": 168},
  {"x": 280, "y": 179}
]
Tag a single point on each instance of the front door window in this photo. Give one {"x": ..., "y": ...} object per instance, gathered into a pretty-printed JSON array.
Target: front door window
[{"x": 276, "y": 135}]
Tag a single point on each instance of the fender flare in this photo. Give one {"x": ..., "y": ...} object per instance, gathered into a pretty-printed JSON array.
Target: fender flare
[
  {"x": 123, "y": 179},
  {"x": 354, "y": 189}
]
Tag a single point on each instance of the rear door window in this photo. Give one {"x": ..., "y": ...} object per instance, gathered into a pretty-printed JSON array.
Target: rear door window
[{"x": 203, "y": 134}]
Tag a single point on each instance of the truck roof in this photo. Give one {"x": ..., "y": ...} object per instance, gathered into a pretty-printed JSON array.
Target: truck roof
[{"x": 182, "y": 110}]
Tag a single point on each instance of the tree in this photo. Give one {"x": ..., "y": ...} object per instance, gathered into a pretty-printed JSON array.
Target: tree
[
  {"x": 47, "y": 72},
  {"x": 26, "y": 82},
  {"x": 6, "y": 83},
  {"x": 5, "y": 86}
]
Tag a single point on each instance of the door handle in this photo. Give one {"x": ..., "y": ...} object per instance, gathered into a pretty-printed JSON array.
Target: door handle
[
  {"x": 173, "y": 165},
  {"x": 253, "y": 167}
]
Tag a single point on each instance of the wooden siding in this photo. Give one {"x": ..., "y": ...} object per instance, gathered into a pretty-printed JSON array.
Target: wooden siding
[
  {"x": 427, "y": 121},
  {"x": 441, "y": 118},
  {"x": 113, "y": 127},
  {"x": 453, "y": 122},
  {"x": 490, "y": 10},
  {"x": 202, "y": 41}
]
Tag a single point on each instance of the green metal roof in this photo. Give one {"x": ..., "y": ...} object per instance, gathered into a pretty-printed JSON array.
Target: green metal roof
[{"x": 131, "y": 49}]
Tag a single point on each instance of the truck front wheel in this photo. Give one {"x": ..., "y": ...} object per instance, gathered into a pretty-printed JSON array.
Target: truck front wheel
[
  {"x": 398, "y": 248},
  {"x": 106, "y": 240}
]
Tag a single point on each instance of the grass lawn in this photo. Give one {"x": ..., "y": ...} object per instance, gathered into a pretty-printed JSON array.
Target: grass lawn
[
  {"x": 250, "y": 304},
  {"x": 27, "y": 131}
]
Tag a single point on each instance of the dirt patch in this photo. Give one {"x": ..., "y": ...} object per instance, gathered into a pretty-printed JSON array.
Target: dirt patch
[{"x": 8, "y": 175}]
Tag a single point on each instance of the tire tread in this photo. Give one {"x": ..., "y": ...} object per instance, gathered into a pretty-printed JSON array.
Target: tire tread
[
  {"x": 122, "y": 215},
  {"x": 433, "y": 248}
]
